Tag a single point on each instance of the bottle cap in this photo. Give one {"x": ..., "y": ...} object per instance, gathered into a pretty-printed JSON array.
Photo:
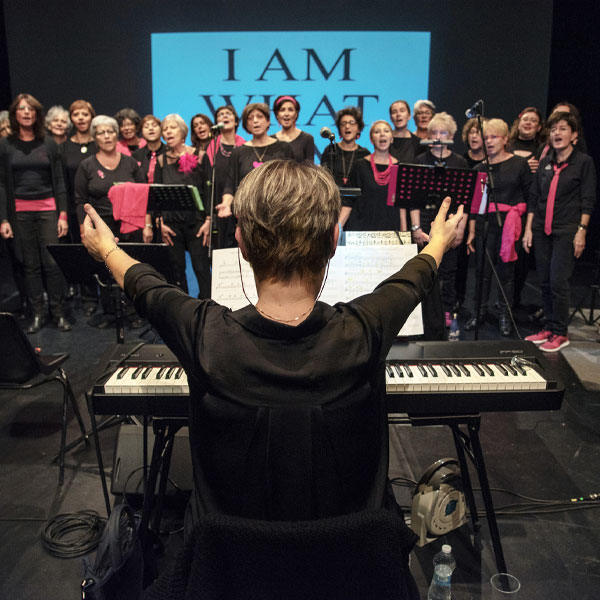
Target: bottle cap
[{"x": 446, "y": 548}]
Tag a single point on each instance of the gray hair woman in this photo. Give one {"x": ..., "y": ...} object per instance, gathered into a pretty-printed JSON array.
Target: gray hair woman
[{"x": 58, "y": 123}]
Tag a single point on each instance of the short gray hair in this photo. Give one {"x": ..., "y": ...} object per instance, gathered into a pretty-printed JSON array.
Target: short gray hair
[
  {"x": 179, "y": 121},
  {"x": 101, "y": 120},
  {"x": 424, "y": 103},
  {"x": 287, "y": 213},
  {"x": 54, "y": 112},
  {"x": 443, "y": 119}
]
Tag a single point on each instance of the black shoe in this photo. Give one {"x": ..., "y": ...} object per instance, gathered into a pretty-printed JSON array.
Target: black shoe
[
  {"x": 37, "y": 323},
  {"x": 472, "y": 322},
  {"x": 505, "y": 325},
  {"x": 63, "y": 325}
]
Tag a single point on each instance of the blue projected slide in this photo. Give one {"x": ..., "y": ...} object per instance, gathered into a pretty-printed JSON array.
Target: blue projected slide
[{"x": 325, "y": 70}]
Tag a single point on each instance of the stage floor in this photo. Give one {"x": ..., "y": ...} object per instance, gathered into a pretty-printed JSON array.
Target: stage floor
[{"x": 545, "y": 455}]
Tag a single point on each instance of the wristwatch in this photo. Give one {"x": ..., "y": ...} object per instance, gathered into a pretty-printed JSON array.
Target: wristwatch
[
  {"x": 582, "y": 226},
  {"x": 414, "y": 228}
]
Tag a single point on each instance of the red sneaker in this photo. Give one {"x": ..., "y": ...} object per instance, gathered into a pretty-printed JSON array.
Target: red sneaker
[
  {"x": 555, "y": 343},
  {"x": 540, "y": 337}
]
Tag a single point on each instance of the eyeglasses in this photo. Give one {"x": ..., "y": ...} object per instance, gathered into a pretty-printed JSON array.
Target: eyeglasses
[
  {"x": 423, "y": 113},
  {"x": 533, "y": 120},
  {"x": 343, "y": 123},
  {"x": 105, "y": 132},
  {"x": 439, "y": 133}
]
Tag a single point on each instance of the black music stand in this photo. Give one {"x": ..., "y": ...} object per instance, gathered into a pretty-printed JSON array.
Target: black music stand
[
  {"x": 420, "y": 185},
  {"x": 77, "y": 265},
  {"x": 163, "y": 197}
]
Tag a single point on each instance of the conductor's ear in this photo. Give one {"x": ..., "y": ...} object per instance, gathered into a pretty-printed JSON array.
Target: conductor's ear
[
  {"x": 336, "y": 237},
  {"x": 240, "y": 241}
]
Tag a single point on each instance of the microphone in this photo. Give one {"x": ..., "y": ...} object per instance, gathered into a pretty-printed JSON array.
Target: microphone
[
  {"x": 327, "y": 134},
  {"x": 217, "y": 126},
  {"x": 436, "y": 143},
  {"x": 475, "y": 110}
]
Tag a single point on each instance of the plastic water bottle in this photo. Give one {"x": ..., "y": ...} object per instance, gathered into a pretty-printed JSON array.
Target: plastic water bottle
[
  {"x": 443, "y": 566},
  {"x": 454, "y": 334}
]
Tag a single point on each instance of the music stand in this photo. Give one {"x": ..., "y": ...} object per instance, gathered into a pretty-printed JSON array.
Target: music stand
[
  {"x": 77, "y": 265},
  {"x": 421, "y": 185},
  {"x": 163, "y": 197}
]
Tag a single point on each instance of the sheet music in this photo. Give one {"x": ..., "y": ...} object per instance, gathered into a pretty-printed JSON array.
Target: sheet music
[
  {"x": 353, "y": 271},
  {"x": 377, "y": 238}
]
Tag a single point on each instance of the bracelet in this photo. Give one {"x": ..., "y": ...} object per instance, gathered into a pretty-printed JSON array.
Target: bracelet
[
  {"x": 110, "y": 252},
  {"x": 148, "y": 225},
  {"x": 63, "y": 218}
]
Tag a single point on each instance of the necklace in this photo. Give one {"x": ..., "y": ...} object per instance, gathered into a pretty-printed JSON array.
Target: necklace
[
  {"x": 344, "y": 172},
  {"x": 274, "y": 318},
  {"x": 264, "y": 314},
  {"x": 381, "y": 177},
  {"x": 260, "y": 157},
  {"x": 225, "y": 153}
]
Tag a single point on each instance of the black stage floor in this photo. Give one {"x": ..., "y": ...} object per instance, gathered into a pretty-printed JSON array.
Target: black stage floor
[{"x": 545, "y": 455}]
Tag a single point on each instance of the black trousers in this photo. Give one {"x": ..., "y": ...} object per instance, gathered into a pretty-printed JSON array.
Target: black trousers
[
  {"x": 506, "y": 271},
  {"x": 37, "y": 229},
  {"x": 554, "y": 264},
  {"x": 185, "y": 239}
]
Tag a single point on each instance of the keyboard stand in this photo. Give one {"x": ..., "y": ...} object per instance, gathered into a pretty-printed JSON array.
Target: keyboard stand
[{"x": 467, "y": 443}]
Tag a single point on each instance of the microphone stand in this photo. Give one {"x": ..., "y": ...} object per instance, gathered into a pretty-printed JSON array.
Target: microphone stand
[
  {"x": 480, "y": 265},
  {"x": 214, "y": 228}
]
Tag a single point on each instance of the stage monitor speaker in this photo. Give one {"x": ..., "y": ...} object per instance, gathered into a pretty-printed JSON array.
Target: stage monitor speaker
[
  {"x": 127, "y": 474},
  {"x": 438, "y": 503}
]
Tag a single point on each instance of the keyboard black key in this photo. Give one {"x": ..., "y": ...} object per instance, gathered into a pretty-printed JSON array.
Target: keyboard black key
[
  {"x": 137, "y": 372},
  {"x": 122, "y": 372},
  {"x": 146, "y": 372}
]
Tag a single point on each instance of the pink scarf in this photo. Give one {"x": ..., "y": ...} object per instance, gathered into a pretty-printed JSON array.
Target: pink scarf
[{"x": 130, "y": 203}]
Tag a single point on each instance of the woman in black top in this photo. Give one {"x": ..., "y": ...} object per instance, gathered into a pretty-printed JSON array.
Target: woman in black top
[
  {"x": 406, "y": 145},
  {"x": 441, "y": 127},
  {"x": 183, "y": 231},
  {"x": 33, "y": 201},
  {"x": 512, "y": 183},
  {"x": 287, "y": 404},
  {"x": 471, "y": 136},
  {"x": 562, "y": 200},
  {"x": 256, "y": 119},
  {"x": 215, "y": 166},
  {"x": 77, "y": 148},
  {"x": 58, "y": 124},
  {"x": 526, "y": 136},
  {"x": 129, "y": 129},
  {"x": 201, "y": 135},
  {"x": 375, "y": 210},
  {"x": 287, "y": 109},
  {"x": 95, "y": 177},
  {"x": 341, "y": 158}
]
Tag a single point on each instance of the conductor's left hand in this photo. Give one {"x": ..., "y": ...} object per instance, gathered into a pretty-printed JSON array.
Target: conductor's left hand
[{"x": 97, "y": 236}]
